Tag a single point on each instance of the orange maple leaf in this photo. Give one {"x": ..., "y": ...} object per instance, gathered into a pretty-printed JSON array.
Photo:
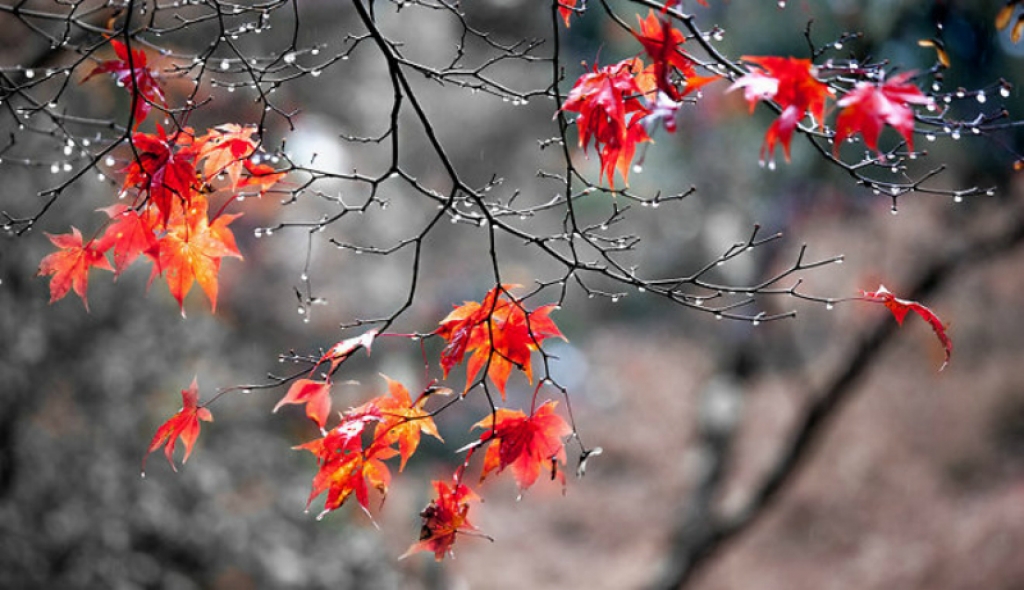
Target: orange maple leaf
[
  {"x": 70, "y": 265},
  {"x": 402, "y": 420},
  {"x": 315, "y": 394},
  {"x": 868, "y": 107},
  {"x": 226, "y": 149},
  {"x": 529, "y": 444},
  {"x": 900, "y": 308},
  {"x": 791, "y": 83},
  {"x": 131, "y": 234},
  {"x": 184, "y": 425},
  {"x": 499, "y": 332},
  {"x": 445, "y": 517},
  {"x": 192, "y": 249},
  {"x": 347, "y": 468}
]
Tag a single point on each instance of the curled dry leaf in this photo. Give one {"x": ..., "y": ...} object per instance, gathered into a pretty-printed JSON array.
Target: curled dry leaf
[{"x": 900, "y": 308}]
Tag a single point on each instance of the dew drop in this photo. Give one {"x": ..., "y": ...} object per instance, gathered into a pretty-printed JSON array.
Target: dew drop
[
  {"x": 301, "y": 310},
  {"x": 955, "y": 135},
  {"x": 698, "y": 302},
  {"x": 30, "y": 74},
  {"x": 1004, "y": 92},
  {"x": 315, "y": 73},
  {"x": 718, "y": 316},
  {"x": 894, "y": 211},
  {"x": 830, "y": 306},
  {"x": 257, "y": 233},
  {"x": 110, "y": 161},
  {"x": 225, "y": 64},
  {"x": 771, "y": 164},
  {"x": 615, "y": 299},
  {"x": 638, "y": 169},
  {"x": 981, "y": 97},
  {"x": 54, "y": 168},
  {"x": 304, "y": 277},
  {"x": 990, "y": 193},
  {"x": 782, "y": 3},
  {"x": 641, "y": 289},
  {"x": 755, "y": 323},
  {"x": 958, "y": 198},
  {"x": 289, "y": 58},
  {"x": 930, "y": 136}
]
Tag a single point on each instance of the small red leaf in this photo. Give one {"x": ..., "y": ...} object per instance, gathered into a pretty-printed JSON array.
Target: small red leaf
[
  {"x": 315, "y": 394},
  {"x": 443, "y": 519},
  {"x": 900, "y": 308},
  {"x": 184, "y": 425}
]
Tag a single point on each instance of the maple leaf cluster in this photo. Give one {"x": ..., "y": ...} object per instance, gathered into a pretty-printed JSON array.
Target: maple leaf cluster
[
  {"x": 619, "y": 104},
  {"x": 500, "y": 334},
  {"x": 172, "y": 178},
  {"x": 793, "y": 85}
]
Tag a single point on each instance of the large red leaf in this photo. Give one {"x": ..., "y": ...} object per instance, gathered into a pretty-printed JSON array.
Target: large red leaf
[
  {"x": 610, "y": 114},
  {"x": 529, "y": 444},
  {"x": 499, "y": 332},
  {"x": 868, "y": 107},
  {"x": 791, "y": 83}
]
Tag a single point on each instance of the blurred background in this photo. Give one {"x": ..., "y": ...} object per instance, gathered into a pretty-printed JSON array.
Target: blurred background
[{"x": 910, "y": 478}]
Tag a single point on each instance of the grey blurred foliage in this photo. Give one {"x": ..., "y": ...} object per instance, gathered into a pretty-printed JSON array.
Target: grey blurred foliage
[{"x": 915, "y": 482}]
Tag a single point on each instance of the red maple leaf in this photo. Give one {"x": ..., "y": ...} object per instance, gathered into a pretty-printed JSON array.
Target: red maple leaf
[
  {"x": 868, "y": 107},
  {"x": 315, "y": 394},
  {"x": 900, "y": 308},
  {"x": 261, "y": 176},
  {"x": 443, "y": 519},
  {"x": 661, "y": 42},
  {"x": 346, "y": 468},
  {"x": 226, "y": 149},
  {"x": 530, "y": 444},
  {"x": 192, "y": 249},
  {"x": 130, "y": 234},
  {"x": 70, "y": 265},
  {"x": 163, "y": 169},
  {"x": 566, "y": 8},
  {"x": 146, "y": 88},
  {"x": 402, "y": 421},
  {"x": 791, "y": 83},
  {"x": 499, "y": 332},
  {"x": 340, "y": 352},
  {"x": 610, "y": 114},
  {"x": 184, "y": 425}
]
